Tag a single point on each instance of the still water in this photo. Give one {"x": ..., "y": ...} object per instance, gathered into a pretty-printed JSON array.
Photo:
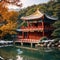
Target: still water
[{"x": 13, "y": 53}]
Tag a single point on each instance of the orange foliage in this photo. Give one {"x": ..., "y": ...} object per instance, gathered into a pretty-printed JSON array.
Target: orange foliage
[
  {"x": 10, "y": 17},
  {"x": 13, "y": 2}
]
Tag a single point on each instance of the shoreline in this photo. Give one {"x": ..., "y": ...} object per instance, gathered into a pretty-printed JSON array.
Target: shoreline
[
  {"x": 35, "y": 49},
  {"x": 29, "y": 48}
]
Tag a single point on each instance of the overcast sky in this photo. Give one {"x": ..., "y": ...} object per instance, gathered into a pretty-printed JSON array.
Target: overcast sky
[
  {"x": 26, "y": 3},
  {"x": 32, "y": 2}
]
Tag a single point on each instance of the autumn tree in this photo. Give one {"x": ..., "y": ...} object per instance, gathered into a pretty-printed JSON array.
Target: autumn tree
[
  {"x": 8, "y": 19},
  {"x": 13, "y": 2}
]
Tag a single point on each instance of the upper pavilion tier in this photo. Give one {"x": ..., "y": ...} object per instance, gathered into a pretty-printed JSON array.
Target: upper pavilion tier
[{"x": 37, "y": 15}]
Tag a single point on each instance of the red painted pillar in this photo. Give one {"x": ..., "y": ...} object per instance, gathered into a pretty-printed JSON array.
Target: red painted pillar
[
  {"x": 27, "y": 35},
  {"x": 43, "y": 26},
  {"x": 23, "y": 35},
  {"x": 28, "y": 24}
]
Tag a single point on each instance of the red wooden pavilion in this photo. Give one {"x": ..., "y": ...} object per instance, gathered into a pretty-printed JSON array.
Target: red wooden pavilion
[{"x": 38, "y": 25}]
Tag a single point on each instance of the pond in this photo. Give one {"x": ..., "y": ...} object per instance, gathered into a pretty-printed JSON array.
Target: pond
[{"x": 14, "y": 53}]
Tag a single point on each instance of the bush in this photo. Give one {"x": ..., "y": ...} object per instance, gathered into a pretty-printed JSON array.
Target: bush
[
  {"x": 56, "y": 40},
  {"x": 43, "y": 38}
]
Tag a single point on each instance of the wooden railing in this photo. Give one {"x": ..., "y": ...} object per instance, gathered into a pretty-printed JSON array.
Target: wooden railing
[
  {"x": 36, "y": 28},
  {"x": 31, "y": 28},
  {"x": 27, "y": 40},
  {"x": 20, "y": 37}
]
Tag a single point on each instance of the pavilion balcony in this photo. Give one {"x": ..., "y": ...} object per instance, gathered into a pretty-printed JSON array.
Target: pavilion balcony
[
  {"x": 39, "y": 28},
  {"x": 27, "y": 40},
  {"x": 20, "y": 37}
]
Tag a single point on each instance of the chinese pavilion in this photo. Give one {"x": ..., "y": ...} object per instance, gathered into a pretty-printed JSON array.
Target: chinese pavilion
[{"x": 38, "y": 25}]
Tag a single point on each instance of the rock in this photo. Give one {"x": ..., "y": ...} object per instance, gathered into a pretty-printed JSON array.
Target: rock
[
  {"x": 59, "y": 46},
  {"x": 1, "y": 58},
  {"x": 50, "y": 43},
  {"x": 19, "y": 57},
  {"x": 39, "y": 45}
]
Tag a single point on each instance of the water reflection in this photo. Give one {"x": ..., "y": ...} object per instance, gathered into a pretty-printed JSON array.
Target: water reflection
[
  {"x": 42, "y": 54},
  {"x": 23, "y": 54},
  {"x": 19, "y": 51},
  {"x": 8, "y": 53}
]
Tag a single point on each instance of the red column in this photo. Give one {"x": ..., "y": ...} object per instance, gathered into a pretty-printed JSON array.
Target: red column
[
  {"x": 43, "y": 25},
  {"x": 28, "y": 24},
  {"x": 27, "y": 34},
  {"x": 22, "y": 36}
]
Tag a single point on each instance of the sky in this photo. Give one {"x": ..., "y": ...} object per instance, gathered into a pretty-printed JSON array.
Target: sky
[
  {"x": 32, "y": 2},
  {"x": 26, "y": 3}
]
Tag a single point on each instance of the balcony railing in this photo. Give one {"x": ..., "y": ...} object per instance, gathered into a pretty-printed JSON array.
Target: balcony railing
[
  {"x": 39, "y": 28},
  {"x": 20, "y": 37},
  {"x": 27, "y": 40},
  {"x": 31, "y": 28}
]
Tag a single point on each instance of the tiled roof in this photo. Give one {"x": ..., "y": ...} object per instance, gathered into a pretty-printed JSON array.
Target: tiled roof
[{"x": 35, "y": 15}]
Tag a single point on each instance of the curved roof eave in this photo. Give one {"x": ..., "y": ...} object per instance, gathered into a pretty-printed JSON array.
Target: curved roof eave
[
  {"x": 31, "y": 18},
  {"x": 52, "y": 18}
]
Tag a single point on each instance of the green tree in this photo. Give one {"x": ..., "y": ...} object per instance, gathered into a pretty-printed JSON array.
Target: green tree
[
  {"x": 56, "y": 32},
  {"x": 57, "y": 24}
]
